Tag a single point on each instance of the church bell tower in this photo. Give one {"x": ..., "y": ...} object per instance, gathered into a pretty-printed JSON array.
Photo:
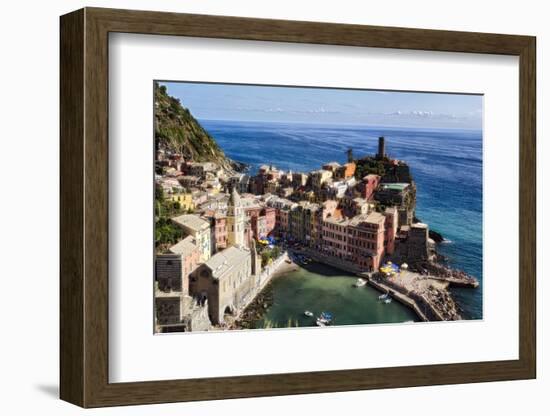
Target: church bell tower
[{"x": 235, "y": 220}]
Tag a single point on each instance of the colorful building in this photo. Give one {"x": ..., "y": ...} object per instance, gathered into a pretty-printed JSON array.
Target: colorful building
[
  {"x": 185, "y": 199},
  {"x": 366, "y": 240},
  {"x": 199, "y": 228},
  {"x": 368, "y": 186},
  {"x": 282, "y": 208},
  {"x": 345, "y": 171},
  {"x": 319, "y": 177},
  {"x": 218, "y": 227},
  {"x": 335, "y": 237}
]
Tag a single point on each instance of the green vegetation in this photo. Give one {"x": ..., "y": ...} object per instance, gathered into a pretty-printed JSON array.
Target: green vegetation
[
  {"x": 166, "y": 233},
  {"x": 177, "y": 130},
  {"x": 269, "y": 254},
  {"x": 368, "y": 166}
]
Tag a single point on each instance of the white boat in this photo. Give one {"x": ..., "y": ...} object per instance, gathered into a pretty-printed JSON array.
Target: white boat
[
  {"x": 320, "y": 323},
  {"x": 384, "y": 296},
  {"x": 360, "y": 282},
  {"x": 387, "y": 300},
  {"x": 308, "y": 313}
]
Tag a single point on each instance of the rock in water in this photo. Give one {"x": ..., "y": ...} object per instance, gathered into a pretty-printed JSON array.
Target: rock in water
[
  {"x": 434, "y": 235},
  {"x": 437, "y": 237}
]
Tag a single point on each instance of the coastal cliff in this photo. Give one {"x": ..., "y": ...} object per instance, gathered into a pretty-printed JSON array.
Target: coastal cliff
[{"x": 178, "y": 131}]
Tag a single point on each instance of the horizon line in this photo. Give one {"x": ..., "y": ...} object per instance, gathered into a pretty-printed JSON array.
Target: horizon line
[{"x": 340, "y": 124}]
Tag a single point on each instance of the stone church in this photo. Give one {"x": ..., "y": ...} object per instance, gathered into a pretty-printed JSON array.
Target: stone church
[{"x": 229, "y": 279}]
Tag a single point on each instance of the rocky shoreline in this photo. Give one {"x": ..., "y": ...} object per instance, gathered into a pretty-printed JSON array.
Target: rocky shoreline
[{"x": 256, "y": 309}]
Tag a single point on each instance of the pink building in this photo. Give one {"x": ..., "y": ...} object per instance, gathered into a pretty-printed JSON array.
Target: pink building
[
  {"x": 220, "y": 231},
  {"x": 218, "y": 228},
  {"x": 335, "y": 237},
  {"x": 270, "y": 218},
  {"x": 368, "y": 186},
  {"x": 262, "y": 221},
  {"x": 366, "y": 240},
  {"x": 282, "y": 208}
]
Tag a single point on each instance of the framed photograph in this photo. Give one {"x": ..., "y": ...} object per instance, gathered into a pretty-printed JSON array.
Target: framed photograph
[{"x": 256, "y": 207}]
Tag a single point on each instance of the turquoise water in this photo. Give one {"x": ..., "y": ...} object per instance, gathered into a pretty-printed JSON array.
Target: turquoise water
[
  {"x": 322, "y": 288},
  {"x": 446, "y": 165}
]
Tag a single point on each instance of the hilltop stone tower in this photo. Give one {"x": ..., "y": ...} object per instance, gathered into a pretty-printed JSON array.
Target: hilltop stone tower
[
  {"x": 235, "y": 220},
  {"x": 381, "y": 148}
]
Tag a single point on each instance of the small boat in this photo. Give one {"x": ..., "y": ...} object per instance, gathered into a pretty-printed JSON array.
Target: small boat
[
  {"x": 325, "y": 318},
  {"x": 360, "y": 282},
  {"x": 320, "y": 323},
  {"x": 387, "y": 300},
  {"x": 308, "y": 313},
  {"x": 384, "y": 296}
]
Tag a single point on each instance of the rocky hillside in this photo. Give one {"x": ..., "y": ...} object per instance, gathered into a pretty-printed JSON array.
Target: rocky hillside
[{"x": 177, "y": 130}]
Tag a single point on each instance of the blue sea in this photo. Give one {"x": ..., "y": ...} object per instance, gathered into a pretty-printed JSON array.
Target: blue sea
[{"x": 446, "y": 165}]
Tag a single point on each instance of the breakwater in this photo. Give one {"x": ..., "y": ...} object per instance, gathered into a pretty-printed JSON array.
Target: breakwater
[{"x": 429, "y": 298}]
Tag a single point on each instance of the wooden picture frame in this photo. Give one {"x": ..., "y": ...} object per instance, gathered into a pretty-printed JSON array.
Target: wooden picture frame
[{"x": 84, "y": 207}]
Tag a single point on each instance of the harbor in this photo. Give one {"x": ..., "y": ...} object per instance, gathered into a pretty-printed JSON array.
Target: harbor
[
  {"x": 318, "y": 288},
  {"x": 326, "y": 286}
]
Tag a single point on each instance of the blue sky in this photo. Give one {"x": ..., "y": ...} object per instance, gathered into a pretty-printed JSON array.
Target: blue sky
[{"x": 330, "y": 106}]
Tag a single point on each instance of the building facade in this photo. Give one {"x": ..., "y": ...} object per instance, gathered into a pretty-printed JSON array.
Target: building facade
[
  {"x": 368, "y": 186},
  {"x": 366, "y": 240},
  {"x": 199, "y": 228},
  {"x": 226, "y": 281}
]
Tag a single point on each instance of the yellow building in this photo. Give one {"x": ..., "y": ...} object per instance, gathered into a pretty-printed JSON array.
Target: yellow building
[
  {"x": 319, "y": 177},
  {"x": 185, "y": 200}
]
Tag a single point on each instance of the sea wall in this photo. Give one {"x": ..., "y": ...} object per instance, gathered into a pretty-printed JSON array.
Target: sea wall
[
  {"x": 261, "y": 281},
  {"x": 422, "y": 312}
]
